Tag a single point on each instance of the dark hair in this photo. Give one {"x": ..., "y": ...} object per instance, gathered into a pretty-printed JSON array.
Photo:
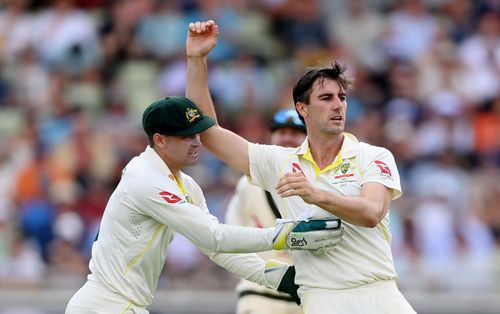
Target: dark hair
[
  {"x": 304, "y": 85},
  {"x": 151, "y": 141}
]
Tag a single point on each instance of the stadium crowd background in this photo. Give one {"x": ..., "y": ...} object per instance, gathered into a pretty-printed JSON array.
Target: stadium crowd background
[{"x": 75, "y": 77}]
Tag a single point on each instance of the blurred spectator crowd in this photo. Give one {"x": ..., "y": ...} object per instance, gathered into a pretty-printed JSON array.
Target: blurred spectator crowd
[{"x": 76, "y": 75}]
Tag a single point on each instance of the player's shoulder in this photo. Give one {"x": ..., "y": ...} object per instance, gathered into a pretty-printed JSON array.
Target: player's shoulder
[
  {"x": 367, "y": 148},
  {"x": 141, "y": 168},
  {"x": 274, "y": 151},
  {"x": 367, "y": 153},
  {"x": 271, "y": 147},
  {"x": 145, "y": 174}
]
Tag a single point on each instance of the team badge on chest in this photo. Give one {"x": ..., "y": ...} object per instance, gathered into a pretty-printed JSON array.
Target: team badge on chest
[
  {"x": 344, "y": 168},
  {"x": 344, "y": 171},
  {"x": 344, "y": 175}
]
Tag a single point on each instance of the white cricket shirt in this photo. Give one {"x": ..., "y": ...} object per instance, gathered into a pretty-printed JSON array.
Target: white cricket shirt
[
  {"x": 364, "y": 255},
  {"x": 139, "y": 221}
]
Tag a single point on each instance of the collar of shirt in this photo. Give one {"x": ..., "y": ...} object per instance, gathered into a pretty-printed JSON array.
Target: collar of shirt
[
  {"x": 348, "y": 150},
  {"x": 156, "y": 159}
]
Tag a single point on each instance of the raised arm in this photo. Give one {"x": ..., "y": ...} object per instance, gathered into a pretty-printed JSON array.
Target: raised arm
[{"x": 226, "y": 145}]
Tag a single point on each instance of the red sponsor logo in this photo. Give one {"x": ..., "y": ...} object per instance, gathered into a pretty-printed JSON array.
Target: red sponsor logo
[
  {"x": 296, "y": 168},
  {"x": 347, "y": 175},
  {"x": 170, "y": 198},
  {"x": 383, "y": 167}
]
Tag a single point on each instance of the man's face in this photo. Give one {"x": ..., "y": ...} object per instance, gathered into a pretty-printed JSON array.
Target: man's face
[
  {"x": 179, "y": 151},
  {"x": 287, "y": 137},
  {"x": 327, "y": 107}
]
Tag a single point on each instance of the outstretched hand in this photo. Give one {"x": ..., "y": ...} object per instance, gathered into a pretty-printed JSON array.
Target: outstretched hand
[{"x": 202, "y": 38}]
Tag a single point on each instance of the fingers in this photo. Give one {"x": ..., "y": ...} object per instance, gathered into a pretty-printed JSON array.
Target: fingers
[
  {"x": 200, "y": 28},
  {"x": 291, "y": 184},
  {"x": 290, "y": 189}
]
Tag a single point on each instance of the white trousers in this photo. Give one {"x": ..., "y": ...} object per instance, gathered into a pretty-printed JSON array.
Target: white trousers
[
  {"x": 382, "y": 297},
  {"x": 254, "y": 304},
  {"x": 95, "y": 298}
]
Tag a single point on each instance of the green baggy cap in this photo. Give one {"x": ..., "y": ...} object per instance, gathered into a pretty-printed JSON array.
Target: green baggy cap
[{"x": 175, "y": 115}]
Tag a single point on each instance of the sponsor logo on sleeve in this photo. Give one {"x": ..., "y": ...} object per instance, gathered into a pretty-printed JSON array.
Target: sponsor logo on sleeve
[
  {"x": 296, "y": 168},
  {"x": 170, "y": 198},
  {"x": 384, "y": 169}
]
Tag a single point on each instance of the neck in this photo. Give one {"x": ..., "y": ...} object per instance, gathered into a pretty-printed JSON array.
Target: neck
[
  {"x": 175, "y": 172},
  {"x": 324, "y": 150},
  {"x": 173, "y": 169}
]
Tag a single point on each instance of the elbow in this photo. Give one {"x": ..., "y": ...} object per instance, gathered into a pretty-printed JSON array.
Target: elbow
[
  {"x": 370, "y": 222},
  {"x": 216, "y": 244},
  {"x": 373, "y": 218}
]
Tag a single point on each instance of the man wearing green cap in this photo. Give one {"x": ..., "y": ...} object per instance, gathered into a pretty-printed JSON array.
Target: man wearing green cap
[{"x": 154, "y": 199}]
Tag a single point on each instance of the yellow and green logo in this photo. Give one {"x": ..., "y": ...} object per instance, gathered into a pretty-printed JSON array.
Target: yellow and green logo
[
  {"x": 344, "y": 168},
  {"x": 192, "y": 114}
]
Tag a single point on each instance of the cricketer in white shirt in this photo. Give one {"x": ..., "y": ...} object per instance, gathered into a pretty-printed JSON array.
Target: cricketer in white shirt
[
  {"x": 138, "y": 225},
  {"x": 353, "y": 181},
  {"x": 363, "y": 258},
  {"x": 151, "y": 202},
  {"x": 139, "y": 222},
  {"x": 350, "y": 180}
]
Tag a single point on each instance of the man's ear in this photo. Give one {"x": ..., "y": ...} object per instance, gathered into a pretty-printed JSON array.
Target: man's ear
[
  {"x": 159, "y": 140},
  {"x": 302, "y": 109}
]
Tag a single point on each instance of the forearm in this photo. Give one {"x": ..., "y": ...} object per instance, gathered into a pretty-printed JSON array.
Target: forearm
[
  {"x": 229, "y": 147},
  {"x": 237, "y": 239},
  {"x": 357, "y": 210},
  {"x": 197, "y": 85},
  {"x": 206, "y": 233},
  {"x": 204, "y": 230},
  {"x": 248, "y": 266}
]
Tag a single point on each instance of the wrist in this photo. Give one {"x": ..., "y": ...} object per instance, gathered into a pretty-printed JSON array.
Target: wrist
[
  {"x": 197, "y": 57},
  {"x": 320, "y": 197}
]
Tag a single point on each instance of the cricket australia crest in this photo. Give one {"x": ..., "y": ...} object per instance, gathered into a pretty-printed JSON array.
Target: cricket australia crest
[
  {"x": 192, "y": 114},
  {"x": 344, "y": 168}
]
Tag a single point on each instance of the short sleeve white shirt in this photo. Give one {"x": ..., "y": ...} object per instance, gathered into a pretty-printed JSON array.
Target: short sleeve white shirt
[{"x": 364, "y": 255}]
